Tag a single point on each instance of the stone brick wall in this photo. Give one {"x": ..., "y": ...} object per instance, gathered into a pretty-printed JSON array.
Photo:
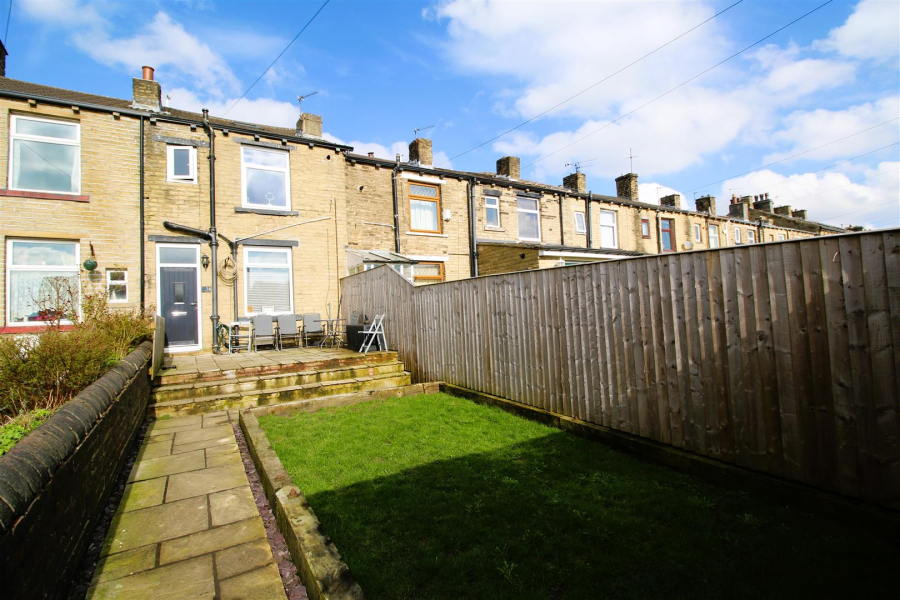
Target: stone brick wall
[
  {"x": 55, "y": 482},
  {"x": 506, "y": 259}
]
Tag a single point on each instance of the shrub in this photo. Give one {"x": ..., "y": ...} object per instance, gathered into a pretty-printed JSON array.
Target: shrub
[
  {"x": 48, "y": 369},
  {"x": 19, "y": 427}
]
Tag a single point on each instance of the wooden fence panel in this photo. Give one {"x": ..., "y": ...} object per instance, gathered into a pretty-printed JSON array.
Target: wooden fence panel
[{"x": 780, "y": 357}]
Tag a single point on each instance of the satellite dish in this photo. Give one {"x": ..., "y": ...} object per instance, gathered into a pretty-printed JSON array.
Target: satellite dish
[{"x": 688, "y": 245}]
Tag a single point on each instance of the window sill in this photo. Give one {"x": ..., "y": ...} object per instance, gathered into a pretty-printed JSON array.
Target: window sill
[
  {"x": 31, "y": 329},
  {"x": 266, "y": 211},
  {"x": 486, "y": 228},
  {"x": 581, "y": 233},
  {"x": 422, "y": 233},
  {"x": 44, "y": 196},
  {"x": 188, "y": 181},
  {"x": 530, "y": 240}
]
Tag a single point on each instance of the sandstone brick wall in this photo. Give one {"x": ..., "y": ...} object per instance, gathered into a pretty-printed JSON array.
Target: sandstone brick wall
[
  {"x": 108, "y": 219},
  {"x": 55, "y": 482},
  {"x": 506, "y": 259}
]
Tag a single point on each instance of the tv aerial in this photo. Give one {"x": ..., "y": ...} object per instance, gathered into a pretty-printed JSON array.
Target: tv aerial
[
  {"x": 577, "y": 164},
  {"x": 300, "y": 99},
  {"x": 416, "y": 131}
]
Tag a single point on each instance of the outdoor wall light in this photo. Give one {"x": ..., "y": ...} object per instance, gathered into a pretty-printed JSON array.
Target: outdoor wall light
[{"x": 204, "y": 260}]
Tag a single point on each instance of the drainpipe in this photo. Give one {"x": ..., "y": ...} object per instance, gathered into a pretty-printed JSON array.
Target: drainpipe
[
  {"x": 659, "y": 248},
  {"x": 141, "y": 203},
  {"x": 473, "y": 245},
  {"x": 213, "y": 239},
  {"x": 587, "y": 218},
  {"x": 759, "y": 231},
  {"x": 396, "y": 207},
  {"x": 562, "y": 234}
]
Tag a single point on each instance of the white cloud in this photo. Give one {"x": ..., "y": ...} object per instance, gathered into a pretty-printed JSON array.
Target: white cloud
[
  {"x": 871, "y": 32},
  {"x": 835, "y": 198},
  {"x": 650, "y": 193},
  {"x": 261, "y": 110}
]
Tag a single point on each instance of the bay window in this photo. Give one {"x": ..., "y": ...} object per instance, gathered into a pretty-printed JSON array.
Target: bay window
[
  {"x": 268, "y": 281},
  {"x": 609, "y": 229},
  {"x": 265, "y": 180},
  {"x": 529, "y": 219},
  {"x": 42, "y": 281},
  {"x": 424, "y": 208},
  {"x": 45, "y": 155}
]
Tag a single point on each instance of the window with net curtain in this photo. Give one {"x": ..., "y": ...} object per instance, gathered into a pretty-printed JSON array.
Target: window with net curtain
[
  {"x": 266, "y": 179},
  {"x": 43, "y": 276},
  {"x": 609, "y": 230},
  {"x": 425, "y": 272},
  {"x": 424, "y": 208},
  {"x": 529, "y": 219},
  {"x": 268, "y": 284},
  {"x": 45, "y": 155}
]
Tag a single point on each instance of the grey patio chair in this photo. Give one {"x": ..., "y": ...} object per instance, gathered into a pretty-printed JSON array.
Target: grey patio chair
[
  {"x": 312, "y": 325},
  {"x": 374, "y": 333},
  {"x": 263, "y": 333},
  {"x": 287, "y": 330}
]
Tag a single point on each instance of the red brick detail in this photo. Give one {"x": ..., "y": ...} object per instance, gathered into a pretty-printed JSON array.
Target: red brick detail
[{"x": 44, "y": 196}]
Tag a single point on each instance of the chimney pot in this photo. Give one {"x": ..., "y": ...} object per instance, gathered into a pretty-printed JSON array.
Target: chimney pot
[
  {"x": 371, "y": 155},
  {"x": 147, "y": 94},
  {"x": 508, "y": 166},
  {"x": 420, "y": 151},
  {"x": 576, "y": 181},
  {"x": 309, "y": 124},
  {"x": 672, "y": 201},
  {"x": 147, "y": 73},
  {"x": 627, "y": 186}
]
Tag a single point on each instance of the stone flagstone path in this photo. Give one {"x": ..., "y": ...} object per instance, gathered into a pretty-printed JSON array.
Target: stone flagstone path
[{"x": 187, "y": 525}]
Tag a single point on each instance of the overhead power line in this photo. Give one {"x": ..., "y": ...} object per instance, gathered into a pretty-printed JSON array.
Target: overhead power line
[
  {"x": 842, "y": 186},
  {"x": 840, "y": 162},
  {"x": 680, "y": 85},
  {"x": 793, "y": 155},
  {"x": 593, "y": 85},
  {"x": 8, "y": 17},
  {"x": 313, "y": 18}
]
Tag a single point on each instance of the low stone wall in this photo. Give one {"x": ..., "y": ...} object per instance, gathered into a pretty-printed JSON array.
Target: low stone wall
[{"x": 55, "y": 482}]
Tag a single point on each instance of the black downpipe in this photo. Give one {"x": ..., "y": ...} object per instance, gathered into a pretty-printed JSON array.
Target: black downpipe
[
  {"x": 562, "y": 229},
  {"x": 141, "y": 203},
  {"x": 587, "y": 218},
  {"x": 213, "y": 240},
  {"x": 659, "y": 247},
  {"x": 396, "y": 209},
  {"x": 473, "y": 245}
]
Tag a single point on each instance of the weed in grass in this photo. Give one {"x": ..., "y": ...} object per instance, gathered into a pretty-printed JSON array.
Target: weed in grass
[{"x": 472, "y": 502}]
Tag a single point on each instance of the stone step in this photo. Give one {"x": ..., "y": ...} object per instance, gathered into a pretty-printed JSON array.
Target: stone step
[
  {"x": 219, "y": 387},
  {"x": 250, "y": 399},
  {"x": 171, "y": 377}
]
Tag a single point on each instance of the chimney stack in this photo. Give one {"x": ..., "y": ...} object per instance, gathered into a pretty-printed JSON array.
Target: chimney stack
[
  {"x": 420, "y": 152},
  {"x": 147, "y": 93},
  {"x": 671, "y": 201},
  {"x": 763, "y": 205},
  {"x": 799, "y": 214},
  {"x": 576, "y": 181},
  {"x": 508, "y": 166},
  {"x": 706, "y": 204},
  {"x": 739, "y": 208},
  {"x": 627, "y": 186},
  {"x": 3, "y": 54},
  {"x": 309, "y": 124},
  {"x": 784, "y": 211}
]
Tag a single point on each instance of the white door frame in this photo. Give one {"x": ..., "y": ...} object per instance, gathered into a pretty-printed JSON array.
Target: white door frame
[{"x": 159, "y": 265}]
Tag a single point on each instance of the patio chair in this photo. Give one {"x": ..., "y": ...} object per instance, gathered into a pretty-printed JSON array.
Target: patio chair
[
  {"x": 287, "y": 330},
  {"x": 263, "y": 333},
  {"x": 312, "y": 325},
  {"x": 374, "y": 334},
  {"x": 238, "y": 341}
]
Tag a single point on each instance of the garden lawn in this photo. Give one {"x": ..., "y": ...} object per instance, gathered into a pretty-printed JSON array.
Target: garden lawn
[{"x": 437, "y": 497}]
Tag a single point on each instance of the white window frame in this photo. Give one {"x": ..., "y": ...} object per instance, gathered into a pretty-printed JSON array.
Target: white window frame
[
  {"x": 582, "y": 227},
  {"x": 537, "y": 211},
  {"x": 290, "y": 266},
  {"x": 737, "y": 236},
  {"x": 615, "y": 227},
  {"x": 495, "y": 200},
  {"x": 287, "y": 178},
  {"x": 698, "y": 233},
  {"x": 110, "y": 282},
  {"x": 13, "y": 122},
  {"x": 710, "y": 237},
  {"x": 10, "y": 268},
  {"x": 170, "y": 164},
  {"x": 751, "y": 236},
  {"x": 782, "y": 237},
  {"x": 196, "y": 263}
]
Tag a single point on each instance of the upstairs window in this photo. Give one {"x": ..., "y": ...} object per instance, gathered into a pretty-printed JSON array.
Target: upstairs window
[
  {"x": 181, "y": 164},
  {"x": 645, "y": 229},
  {"x": 781, "y": 237},
  {"x": 713, "y": 232},
  {"x": 609, "y": 229},
  {"x": 424, "y": 208},
  {"x": 529, "y": 219},
  {"x": 268, "y": 281},
  {"x": 117, "y": 285},
  {"x": 737, "y": 236},
  {"x": 667, "y": 228},
  {"x": 42, "y": 280},
  {"x": 579, "y": 222},
  {"x": 698, "y": 235},
  {"x": 751, "y": 236},
  {"x": 492, "y": 212},
  {"x": 45, "y": 155},
  {"x": 266, "y": 181}
]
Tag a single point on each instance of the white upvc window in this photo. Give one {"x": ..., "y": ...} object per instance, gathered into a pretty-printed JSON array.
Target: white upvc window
[
  {"x": 45, "y": 155},
  {"x": 117, "y": 285},
  {"x": 579, "y": 222},
  {"x": 181, "y": 164},
  {"x": 265, "y": 178},
  {"x": 737, "y": 236},
  {"x": 751, "y": 236},
  {"x": 529, "y": 219},
  {"x": 41, "y": 277},
  {"x": 713, "y": 231},
  {"x": 492, "y": 212},
  {"x": 268, "y": 280},
  {"x": 781, "y": 237},
  {"x": 698, "y": 234},
  {"x": 609, "y": 229}
]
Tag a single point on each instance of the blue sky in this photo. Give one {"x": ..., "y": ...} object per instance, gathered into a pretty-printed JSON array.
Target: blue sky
[{"x": 475, "y": 69}]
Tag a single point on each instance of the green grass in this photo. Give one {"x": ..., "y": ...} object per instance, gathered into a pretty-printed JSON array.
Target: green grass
[
  {"x": 18, "y": 427},
  {"x": 437, "y": 497}
]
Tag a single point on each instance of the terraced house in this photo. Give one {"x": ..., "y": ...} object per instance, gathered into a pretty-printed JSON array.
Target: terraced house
[{"x": 121, "y": 197}]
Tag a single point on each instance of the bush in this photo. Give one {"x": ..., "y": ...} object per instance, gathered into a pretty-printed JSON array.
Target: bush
[
  {"x": 48, "y": 369},
  {"x": 19, "y": 427}
]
